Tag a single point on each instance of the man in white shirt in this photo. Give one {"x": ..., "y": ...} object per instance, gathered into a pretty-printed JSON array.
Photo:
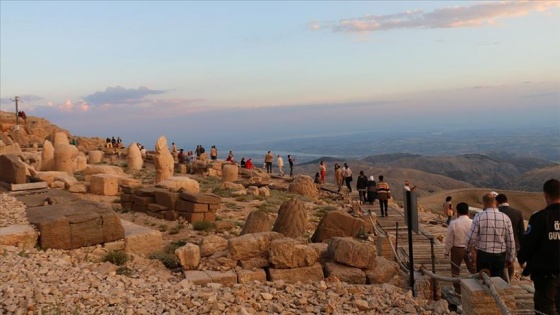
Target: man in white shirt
[
  {"x": 456, "y": 242},
  {"x": 280, "y": 164}
]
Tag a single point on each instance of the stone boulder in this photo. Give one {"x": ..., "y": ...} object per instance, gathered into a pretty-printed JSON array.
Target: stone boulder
[
  {"x": 13, "y": 148},
  {"x": 47, "y": 156},
  {"x": 163, "y": 160},
  {"x": 337, "y": 223},
  {"x": 75, "y": 224},
  {"x": 230, "y": 172},
  {"x": 81, "y": 162},
  {"x": 345, "y": 273},
  {"x": 13, "y": 169},
  {"x": 95, "y": 156},
  {"x": 258, "y": 221},
  {"x": 104, "y": 184},
  {"x": 32, "y": 159},
  {"x": 288, "y": 253},
  {"x": 65, "y": 158},
  {"x": 141, "y": 240},
  {"x": 251, "y": 245},
  {"x": 189, "y": 256},
  {"x": 51, "y": 176},
  {"x": 180, "y": 183},
  {"x": 351, "y": 252},
  {"x": 212, "y": 244},
  {"x": 303, "y": 185},
  {"x": 264, "y": 191},
  {"x": 18, "y": 235},
  {"x": 59, "y": 138},
  {"x": 384, "y": 271},
  {"x": 292, "y": 219},
  {"x": 134, "y": 158}
]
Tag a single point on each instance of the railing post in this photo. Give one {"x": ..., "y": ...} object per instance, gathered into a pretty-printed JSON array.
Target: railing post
[
  {"x": 434, "y": 267},
  {"x": 397, "y": 237}
]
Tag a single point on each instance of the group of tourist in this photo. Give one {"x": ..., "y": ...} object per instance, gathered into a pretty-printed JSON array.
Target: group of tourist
[
  {"x": 496, "y": 236},
  {"x": 268, "y": 161},
  {"x": 112, "y": 143}
]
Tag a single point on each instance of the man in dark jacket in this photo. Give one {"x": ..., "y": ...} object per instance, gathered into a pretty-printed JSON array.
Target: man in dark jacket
[
  {"x": 361, "y": 186},
  {"x": 540, "y": 249},
  {"x": 516, "y": 218}
]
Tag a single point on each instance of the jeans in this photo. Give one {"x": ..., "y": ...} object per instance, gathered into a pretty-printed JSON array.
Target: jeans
[
  {"x": 493, "y": 262},
  {"x": 348, "y": 180},
  {"x": 269, "y": 167},
  {"x": 547, "y": 293},
  {"x": 383, "y": 204},
  {"x": 448, "y": 220},
  {"x": 291, "y": 170}
]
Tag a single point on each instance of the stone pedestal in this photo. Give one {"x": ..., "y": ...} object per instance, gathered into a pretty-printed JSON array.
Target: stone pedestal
[{"x": 476, "y": 298}]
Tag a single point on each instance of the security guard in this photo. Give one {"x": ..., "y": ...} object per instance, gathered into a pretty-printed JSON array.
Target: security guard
[{"x": 540, "y": 249}]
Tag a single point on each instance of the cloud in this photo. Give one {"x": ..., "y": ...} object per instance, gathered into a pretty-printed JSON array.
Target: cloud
[
  {"x": 120, "y": 95},
  {"x": 481, "y": 14}
]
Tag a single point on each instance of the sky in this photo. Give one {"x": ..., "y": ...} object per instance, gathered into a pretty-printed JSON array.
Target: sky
[{"x": 242, "y": 71}]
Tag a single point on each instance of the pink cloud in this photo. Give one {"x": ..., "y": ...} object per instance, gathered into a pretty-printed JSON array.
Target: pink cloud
[{"x": 477, "y": 15}]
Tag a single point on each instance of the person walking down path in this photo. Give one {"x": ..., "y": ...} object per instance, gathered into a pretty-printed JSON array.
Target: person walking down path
[
  {"x": 348, "y": 177},
  {"x": 491, "y": 234},
  {"x": 268, "y": 158},
  {"x": 456, "y": 242},
  {"x": 448, "y": 209},
  {"x": 383, "y": 195},
  {"x": 280, "y": 165},
  {"x": 540, "y": 250},
  {"x": 518, "y": 225},
  {"x": 338, "y": 176},
  {"x": 371, "y": 190},
  {"x": 291, "y": 162},
  {"x": 361, "y": 186},
  {"x": 323, "y": 171}
]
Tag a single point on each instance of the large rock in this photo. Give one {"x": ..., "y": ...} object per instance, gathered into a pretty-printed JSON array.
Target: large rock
[
  {"x": 104, "y": 184},
  {"x": 351, "y": 252},
  {"x": 288, "y": 253},
  {"x": 60, "y": 138},
  {"x": 68, "y": 180},
  {"x": 75, "y": 224},
  {"x": 163, "y": 160},
  {"x": 292, "y": 219},
  {"x": 249, "y": 276},
  {"x": 230, "y": 172},
  {"x": 303, "y": 274},
  {"x": 13, "y": 169},
  {"x": 303, "y": 185},
  {"x": 65, "y": 158},
  {"x": 180, "y": 183},
  {"x": 166, "y": 198},
  {"x": 32, "y": 159},
  {"x": 81, "y": 162},
  {"x": 384, "y": 271},
  {"x": 337, "y": 223},
  {"x": 212, "y": 244},
  {"x": 189, "y": 256},
  {"x": 51, "y": 176},
  {"x": 345, "y": 273},
  {"x": 20, "y": 235},
  {"x": 258, "y": 221},
  {"x": 141, "y": 240},
  {"x": 251, "y": 245},
  {"x": 13, "y": 148},
  {"x": 134, "y": 158},
  {"x": 95, "y": 156},
  {"x": 47, "y": 156}
]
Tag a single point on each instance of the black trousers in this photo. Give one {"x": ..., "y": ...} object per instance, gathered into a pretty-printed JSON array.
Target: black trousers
[
  {"x": 291, "y": 170},
  {"x": 547, "y": 293},
  {"x": 363, "y": 195},
  {"x": 269, "y": 167},
  {"x": 384, "y": 205},
  {"x": 493, "y": 262},
  {"x": 348, "y": 180}
]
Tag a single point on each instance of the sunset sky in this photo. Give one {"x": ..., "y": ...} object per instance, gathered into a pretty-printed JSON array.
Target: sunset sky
[{"x": 211, "y": 70}]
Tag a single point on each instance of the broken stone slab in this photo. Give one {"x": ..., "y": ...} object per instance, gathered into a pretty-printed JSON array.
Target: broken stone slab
[
  {"x": 13, "y": 169},
  {"x": 207, "y": 198},
  {"x": 20, "y": 235},
  {"x": 141, "y": 240},
  {"x": 249, "y": 276},
  {"x": 303, "y": 274},
  {"x": 288, "y": 253},
  {"x": 204, "y": 277},
  {"x": 251, "y": 245},
  {"x": 351, "y": 252},
  {"x": 345, "y": 273},
  {"x": 55, "y": 195},
  {"x": 75, "y": 224}
]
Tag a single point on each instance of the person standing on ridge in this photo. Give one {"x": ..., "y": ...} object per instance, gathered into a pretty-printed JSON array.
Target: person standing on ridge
[
  {"x": 448, "y": 209},
  {"x": 361, "y": 186},
  {"x": 291, "y": 161},
  {"x": 456, "y": 242},
  {"x": 540, "y": 249},
  {"x": 348, "y": 177},
  {"x": 383, "y": 195},
  {"x": 280, "y": 165},
  {"x": 407, "y": 186},
  {"x": 338, "y": 176},
  {"x": 491, "y": 234},
  {"x": 213, "y": 153},
  {"x": 268, "y": 158},
  {"x": 517, "y": 223},
  {"x": 323, "y": 171},
  {"x": 230, "y": 157}
]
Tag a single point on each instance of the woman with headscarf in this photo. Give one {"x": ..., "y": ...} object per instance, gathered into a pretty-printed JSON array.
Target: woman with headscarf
[{"x": 371, "y": 190}]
